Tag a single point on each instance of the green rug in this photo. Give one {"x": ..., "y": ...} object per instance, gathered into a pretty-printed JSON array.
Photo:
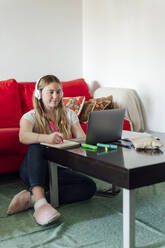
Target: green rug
[{"x": 96, "y": 223}]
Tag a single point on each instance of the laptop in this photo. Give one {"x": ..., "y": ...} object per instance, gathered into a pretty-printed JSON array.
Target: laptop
[{"x": 105, "y": 126}]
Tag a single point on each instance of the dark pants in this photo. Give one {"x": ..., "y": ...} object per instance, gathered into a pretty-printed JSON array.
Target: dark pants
[{"x": 73, "y": 186}]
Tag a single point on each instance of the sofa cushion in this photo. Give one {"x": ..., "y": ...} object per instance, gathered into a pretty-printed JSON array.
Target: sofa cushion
[
  {"x": 10, "y": 110},
  {"x": 11, "y": 144},
  {"x": 77, "y": 87},
  {"x": 26, "y": 93}
]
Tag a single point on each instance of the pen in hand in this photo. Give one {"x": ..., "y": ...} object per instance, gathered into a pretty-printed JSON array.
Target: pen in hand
[{"x": 54, "y": 128}]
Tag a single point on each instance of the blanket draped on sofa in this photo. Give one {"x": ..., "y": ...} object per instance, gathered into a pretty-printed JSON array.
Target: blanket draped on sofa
[{"x": 128, "y": 99}]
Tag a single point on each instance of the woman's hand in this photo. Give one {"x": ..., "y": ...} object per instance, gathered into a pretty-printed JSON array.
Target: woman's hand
[{"x": 55, "y": 138}]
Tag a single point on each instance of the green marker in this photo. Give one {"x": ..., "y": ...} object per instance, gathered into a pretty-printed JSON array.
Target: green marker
[{"x": 90, "y": 147}]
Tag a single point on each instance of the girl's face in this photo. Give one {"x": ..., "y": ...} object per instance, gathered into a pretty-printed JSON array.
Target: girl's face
[{"x": 51, "y": 96}]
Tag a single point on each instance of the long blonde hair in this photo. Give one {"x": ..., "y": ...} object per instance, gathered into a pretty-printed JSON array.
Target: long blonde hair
[{"x": 61, "y": 122}]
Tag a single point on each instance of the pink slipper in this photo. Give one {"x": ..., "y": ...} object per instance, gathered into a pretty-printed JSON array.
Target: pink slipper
[
  {"x": 20, "y": 202},
  {"x": 46, "y": 214}
]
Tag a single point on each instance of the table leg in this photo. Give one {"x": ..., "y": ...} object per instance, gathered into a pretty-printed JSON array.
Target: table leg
[
  {"x": 128, "y": 218},
  {"x": 53, "y": 184},
  {"x": 115, "y": 189}
]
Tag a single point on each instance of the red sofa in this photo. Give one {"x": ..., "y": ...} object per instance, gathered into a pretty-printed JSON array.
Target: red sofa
[{"x": 15, "y": 100}]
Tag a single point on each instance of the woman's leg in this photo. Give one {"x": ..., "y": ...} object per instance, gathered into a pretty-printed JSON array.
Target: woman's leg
[
  {"x": 34, "y": 169},
  {"x": 74, "y": 186},
  {"x": 34, "y": 172}
]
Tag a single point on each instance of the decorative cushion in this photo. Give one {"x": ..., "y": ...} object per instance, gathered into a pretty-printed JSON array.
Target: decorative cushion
[
  {"x": 97, "y": 104},
  {"x": 88, "y": 106},
  {"x": 103, "y": 103},
  {"x": 10, "y": 110},
  {"x": 74, "y": 103}
]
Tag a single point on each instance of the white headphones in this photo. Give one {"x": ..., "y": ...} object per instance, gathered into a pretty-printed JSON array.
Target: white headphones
[{"x": 37, "y": 92}]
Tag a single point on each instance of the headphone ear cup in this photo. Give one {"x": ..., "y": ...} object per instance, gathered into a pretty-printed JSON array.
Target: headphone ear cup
[
  {"x": 37, "y": 91},
  {"x": 37, "y": 94}
]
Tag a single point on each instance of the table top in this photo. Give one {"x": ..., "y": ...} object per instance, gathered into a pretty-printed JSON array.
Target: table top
[{"x": 124, "y": 167}]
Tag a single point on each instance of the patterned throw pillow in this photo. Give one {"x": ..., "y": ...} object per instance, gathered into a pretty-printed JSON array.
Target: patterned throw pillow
[
  {"x": 88, "y": 107},
  {"x": 95, "y": 105},
  {"x": 74, "y": 103},
  {"x": 103, "y": 103}
]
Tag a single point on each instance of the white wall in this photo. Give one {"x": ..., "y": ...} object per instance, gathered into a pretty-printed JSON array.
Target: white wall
[
  {"x": 39, "y": 37},
  {"x": 124, "y": 46}
]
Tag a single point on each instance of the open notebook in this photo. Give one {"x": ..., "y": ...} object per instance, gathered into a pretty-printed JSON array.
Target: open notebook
[{"x": 65, "y": 145}]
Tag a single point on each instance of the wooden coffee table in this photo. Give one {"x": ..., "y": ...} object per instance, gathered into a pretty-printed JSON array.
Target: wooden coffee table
[{"x": 126, "y": 168}]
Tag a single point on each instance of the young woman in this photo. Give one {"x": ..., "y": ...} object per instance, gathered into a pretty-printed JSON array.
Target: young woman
[{"x": 36, "y": 127}]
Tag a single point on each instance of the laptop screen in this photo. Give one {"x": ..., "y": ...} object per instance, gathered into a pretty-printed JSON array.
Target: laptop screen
[{"x": 105, "y": 126}]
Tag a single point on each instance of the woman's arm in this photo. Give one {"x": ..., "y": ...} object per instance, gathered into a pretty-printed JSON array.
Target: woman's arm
[
  {"x": 77, "y": 131},
  {"x": 27, "y": 136}
]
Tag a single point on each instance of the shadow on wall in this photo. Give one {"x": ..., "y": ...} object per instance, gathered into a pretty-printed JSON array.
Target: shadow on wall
[{"x": 94, "y": 86}]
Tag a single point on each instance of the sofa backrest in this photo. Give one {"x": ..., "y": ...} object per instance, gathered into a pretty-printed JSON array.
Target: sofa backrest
[
  {"x": 77, "y": 87},
  {"x": 26, "y": 90},
  {"x": 16, "y": 99},
  {"x": 10, "y": 110}
]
